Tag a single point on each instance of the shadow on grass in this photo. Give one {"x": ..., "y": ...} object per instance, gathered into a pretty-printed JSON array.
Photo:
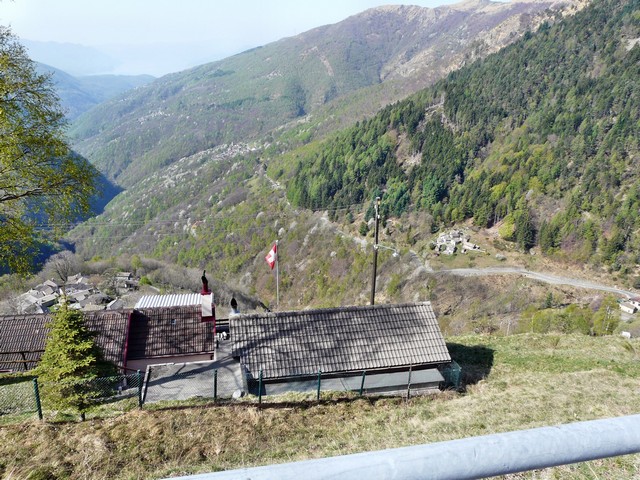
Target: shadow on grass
[
  {"x": 475, "y": 361},
  {"x": 301, "y": 404}
]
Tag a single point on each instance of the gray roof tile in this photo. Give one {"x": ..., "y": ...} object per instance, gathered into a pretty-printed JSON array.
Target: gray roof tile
[
  {"x": 337, "y": 340},
  {"x": 26, "y": 335},
  {"x": 168, "y": 331}
]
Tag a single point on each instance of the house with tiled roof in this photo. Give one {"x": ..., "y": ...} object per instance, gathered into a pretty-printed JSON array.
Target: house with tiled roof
[
  {"x": 169, "y": 335},
  {"x": 23, "y": 337},
  {"x": 130, "y": 338},
  {"x": 393, "y": 344}
]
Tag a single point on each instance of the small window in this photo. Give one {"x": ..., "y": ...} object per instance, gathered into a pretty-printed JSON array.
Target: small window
[{"x": 173, "y": 321}]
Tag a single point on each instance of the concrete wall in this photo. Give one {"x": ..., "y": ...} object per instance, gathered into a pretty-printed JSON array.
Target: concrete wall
[{"x": 142, "y": 364}]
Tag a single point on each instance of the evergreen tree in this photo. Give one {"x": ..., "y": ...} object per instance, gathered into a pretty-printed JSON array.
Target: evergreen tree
[
  {"x": 525, "y": 232},
  {"x": 70, "y": 360}
]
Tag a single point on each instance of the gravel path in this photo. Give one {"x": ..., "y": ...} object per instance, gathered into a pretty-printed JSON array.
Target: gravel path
[{"x": 543, "y": 277}]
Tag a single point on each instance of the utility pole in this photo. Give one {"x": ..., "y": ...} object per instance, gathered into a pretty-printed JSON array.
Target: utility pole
[{"x": 375, "y": 253}]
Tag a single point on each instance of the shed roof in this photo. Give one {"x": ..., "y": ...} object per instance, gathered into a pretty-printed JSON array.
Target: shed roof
[
  {"x": 170, "y": 300},
  {"x": 337, "y": 340},
  {"x": 168, "y": 331}
]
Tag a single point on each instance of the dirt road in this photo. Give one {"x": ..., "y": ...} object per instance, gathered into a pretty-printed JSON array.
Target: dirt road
[{"x": 543, "y": 277}]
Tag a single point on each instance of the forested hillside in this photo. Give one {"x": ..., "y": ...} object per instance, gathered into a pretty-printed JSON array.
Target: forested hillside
[
  {"x": 541, "y": 140},
  {"x": 257, "y": 95}
]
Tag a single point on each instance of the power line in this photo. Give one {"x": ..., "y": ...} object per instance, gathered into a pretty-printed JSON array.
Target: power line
[{"x": 46, "y": 226}]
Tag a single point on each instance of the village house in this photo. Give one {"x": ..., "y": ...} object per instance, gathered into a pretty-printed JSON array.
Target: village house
[
  {"x": 629, "y": 305},
  {"x": 79, "y": 293},
  {"x": 635, "y": 301},
  {"x": 394, "y": 345},
  {"x": 449, "y": 242}
]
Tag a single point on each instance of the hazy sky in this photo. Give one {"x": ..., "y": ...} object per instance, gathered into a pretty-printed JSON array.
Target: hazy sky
[{"x": 162, "y": 36}]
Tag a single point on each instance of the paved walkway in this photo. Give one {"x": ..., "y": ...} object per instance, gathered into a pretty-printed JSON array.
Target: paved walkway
[{"x": 181, "y": 381}]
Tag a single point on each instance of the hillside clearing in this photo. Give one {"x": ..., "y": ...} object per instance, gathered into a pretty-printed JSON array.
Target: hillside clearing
[{"x": 515, "y": 382}]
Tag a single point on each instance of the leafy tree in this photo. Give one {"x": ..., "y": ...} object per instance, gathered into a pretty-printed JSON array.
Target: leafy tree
[
  {"x": 136, "y": 263},
  {"x": 607, "y": 317},
  {"x": 70, "y": 360},
  {"x": 574, "y": 319},
  {"x": 41, "y": 180}
]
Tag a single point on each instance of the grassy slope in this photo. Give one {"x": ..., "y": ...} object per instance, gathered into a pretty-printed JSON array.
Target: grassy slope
[{"x": 514, "y": 382}]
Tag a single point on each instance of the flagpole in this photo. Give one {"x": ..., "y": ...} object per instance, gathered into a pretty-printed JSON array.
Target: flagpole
[{"x": 277, "y": 276}]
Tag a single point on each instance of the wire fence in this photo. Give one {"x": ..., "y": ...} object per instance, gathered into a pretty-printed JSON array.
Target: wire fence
[
  {"x": 452, "y": 374},
  {"x": 17, "y": 396},
  {"x": 212, "y": 382},
  {"x": 404, "y": 383}
]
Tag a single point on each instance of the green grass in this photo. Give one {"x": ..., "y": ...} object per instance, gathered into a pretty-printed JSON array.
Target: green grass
[{"x": 516, "y": 382}]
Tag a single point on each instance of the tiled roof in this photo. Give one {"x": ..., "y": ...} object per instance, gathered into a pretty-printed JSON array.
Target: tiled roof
[
  {"x": 22, "y": 333},
  {"x": 27, "y": 334},
  {"x": 111, "y": 326},
  {"x": 168, "y": 331},
  {"x": 336, "y": 340}
]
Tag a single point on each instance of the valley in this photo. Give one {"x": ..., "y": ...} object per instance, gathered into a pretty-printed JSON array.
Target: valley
[{"x": 504, "y": 142}]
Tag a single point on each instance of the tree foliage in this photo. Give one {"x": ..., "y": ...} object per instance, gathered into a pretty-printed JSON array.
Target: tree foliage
[
  {"x": 543, "y": 136},
  {"x": 607, "y": 317},
  {"x": 70, "y": 360},
  {"x": 41, "y": 180}
]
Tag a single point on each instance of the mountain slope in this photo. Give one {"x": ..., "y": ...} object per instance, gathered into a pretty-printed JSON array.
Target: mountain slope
[
  {"x": 541, "y": 140},
  {"x": 218, "y": 209},
  {"x": 248, "y": 96},
  {"x": 79, "y": 94}
]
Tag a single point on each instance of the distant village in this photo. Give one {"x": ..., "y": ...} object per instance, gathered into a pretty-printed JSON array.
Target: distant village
[
  {"x": 448, "y": 243},
  {"x": 79, "y": 292}
]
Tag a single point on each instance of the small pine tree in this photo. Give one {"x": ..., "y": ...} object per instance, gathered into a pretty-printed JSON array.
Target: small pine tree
[{"x": 70, "y": 360}]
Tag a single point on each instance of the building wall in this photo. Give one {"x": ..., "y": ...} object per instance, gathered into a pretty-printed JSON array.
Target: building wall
[{"x": 142, "y": 364}]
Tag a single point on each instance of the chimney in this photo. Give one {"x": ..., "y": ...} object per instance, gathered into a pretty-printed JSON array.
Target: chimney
[
  {"x": 208, "y": 307},
  {"x": 234, "y": 308}
]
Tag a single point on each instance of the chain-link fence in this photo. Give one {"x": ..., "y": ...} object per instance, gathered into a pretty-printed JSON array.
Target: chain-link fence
[
  {"x": 17, "y": 396},
  {"x": 22, "y": 396},
  {"x": 112, "y": 389},
  {"x": 404, "y": 383},
  {"x": 452, "y": 374},
  {"x": 216, "y": 380}
]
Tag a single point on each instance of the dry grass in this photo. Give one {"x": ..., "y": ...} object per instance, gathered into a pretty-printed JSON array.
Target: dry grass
[{"x": 515, "y": 382}]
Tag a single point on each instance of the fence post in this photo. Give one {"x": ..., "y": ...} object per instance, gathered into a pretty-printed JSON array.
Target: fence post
[
  {"x": 215, "y": 384},
  {"x": 139, "y": 388},
  {"x": 36, "y": 392},
  {"x": 319, "y": 382},
  {"x": 364, "y": 374},
  {"x": 409, "y": 383},
  {"x": 260, "y": 387}
]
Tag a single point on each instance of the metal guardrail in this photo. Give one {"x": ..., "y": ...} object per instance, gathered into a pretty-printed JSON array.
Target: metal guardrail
[{"x": 469, "y": 458}]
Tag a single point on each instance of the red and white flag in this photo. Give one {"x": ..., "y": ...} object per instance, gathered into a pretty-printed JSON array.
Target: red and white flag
[{"x": 272, "y": 256}]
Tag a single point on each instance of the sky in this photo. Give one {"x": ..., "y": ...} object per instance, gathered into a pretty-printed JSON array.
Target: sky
[{"x": 161, "y": 36}]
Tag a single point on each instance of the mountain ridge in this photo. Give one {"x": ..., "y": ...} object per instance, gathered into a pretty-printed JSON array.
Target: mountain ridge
[
  {"x": 79, "y": 94},
  {"x": 252, "y": 94}
]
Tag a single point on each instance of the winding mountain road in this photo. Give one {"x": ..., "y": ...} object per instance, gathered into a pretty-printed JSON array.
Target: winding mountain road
[{"x": 543, "y": 277}]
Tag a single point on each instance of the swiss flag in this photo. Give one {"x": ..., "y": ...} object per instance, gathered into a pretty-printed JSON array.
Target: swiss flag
[{"x": 272, "y": 256}]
